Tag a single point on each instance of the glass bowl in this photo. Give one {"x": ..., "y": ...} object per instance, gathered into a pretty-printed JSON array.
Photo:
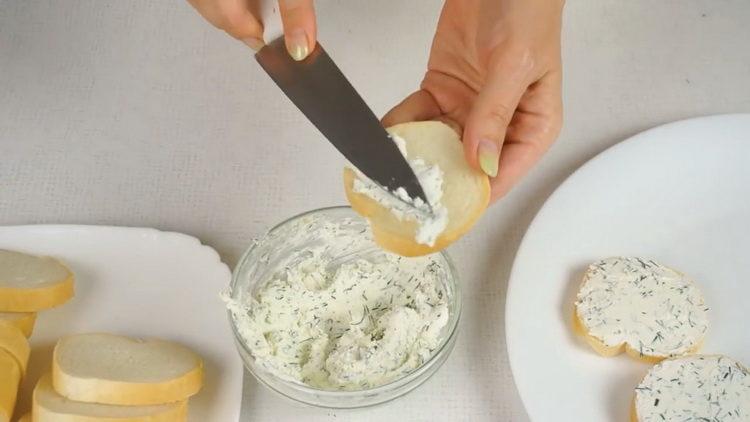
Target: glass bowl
[{"x": 259, "y": 259}]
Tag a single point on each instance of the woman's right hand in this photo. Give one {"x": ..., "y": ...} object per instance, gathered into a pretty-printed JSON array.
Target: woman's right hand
[
  {"x": 495, "y": 73},
  {"x": 240, "y": 19}
]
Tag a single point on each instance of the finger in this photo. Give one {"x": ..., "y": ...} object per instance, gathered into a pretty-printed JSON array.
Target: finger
[
  {"x": 530, "y": 133},
  {"x": 300, "y": 31},
  {"x": 420, "y": 105},
  {"x": 235, "y": 18},
  {"x": 484, "y": 131}
]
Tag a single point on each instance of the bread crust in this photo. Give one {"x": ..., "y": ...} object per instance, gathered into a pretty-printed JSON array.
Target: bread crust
[
  {"x": 92, "y": 390},
  {"x": 633, "y": 411},
  {"x": 10, "y": 377},
  {"x": 16, "y": 344},
  {"x": 176, "y": 412},
  {"x": 24, "y": 321}
]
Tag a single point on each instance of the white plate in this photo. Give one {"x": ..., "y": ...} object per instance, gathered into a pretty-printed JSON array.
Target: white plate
[
  {"x": 139, "y": 282},
  {"x": 679, "y": 193}
]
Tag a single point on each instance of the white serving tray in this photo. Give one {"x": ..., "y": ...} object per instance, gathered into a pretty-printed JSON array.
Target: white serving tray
[{"x": 138, "y": 282}]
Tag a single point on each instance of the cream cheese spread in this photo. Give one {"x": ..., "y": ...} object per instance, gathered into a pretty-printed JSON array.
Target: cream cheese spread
[
  {"x": 695, "y": 388},
  {"x": 341, "y": 314},
  {"x": 431, "y": 219},
  {"x": 654, "y": 309}
]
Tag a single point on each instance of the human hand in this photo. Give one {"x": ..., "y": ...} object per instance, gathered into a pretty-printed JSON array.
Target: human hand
[
  {"x": 241, "y": 19},
  {"x": 495, "y": 72}
]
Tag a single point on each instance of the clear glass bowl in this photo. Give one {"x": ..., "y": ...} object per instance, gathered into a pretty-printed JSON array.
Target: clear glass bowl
[{"x": 253, "y": 268}]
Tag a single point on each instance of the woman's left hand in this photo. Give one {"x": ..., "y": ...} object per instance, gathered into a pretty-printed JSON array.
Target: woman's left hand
[{"x": 495, "y": 72}]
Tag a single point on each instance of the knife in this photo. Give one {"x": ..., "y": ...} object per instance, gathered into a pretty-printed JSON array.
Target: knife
[{"x": 323, "y": 94}]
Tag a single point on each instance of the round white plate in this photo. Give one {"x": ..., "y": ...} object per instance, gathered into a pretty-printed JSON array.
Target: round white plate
[
  {"x": 680, "y": 194},
  {"x": 138, "y": 282}
]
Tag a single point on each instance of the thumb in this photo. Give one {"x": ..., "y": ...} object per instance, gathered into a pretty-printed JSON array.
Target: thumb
[
  {"x": 300, "y": 31},
  {"x": 492, "y": 111}
]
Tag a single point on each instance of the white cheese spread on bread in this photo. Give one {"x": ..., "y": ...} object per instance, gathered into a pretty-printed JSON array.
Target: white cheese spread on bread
[
  {"x": 694, "y": 388},
  {"x": 431, "y": 219},
  {"x": 652, "y": 309}
]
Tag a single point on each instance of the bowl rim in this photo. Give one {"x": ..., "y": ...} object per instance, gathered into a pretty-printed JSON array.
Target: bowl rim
[{"x": 404, "y": 380}]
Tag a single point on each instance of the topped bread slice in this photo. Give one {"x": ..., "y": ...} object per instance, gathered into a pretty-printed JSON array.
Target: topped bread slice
[
  {"x": 694, "y": 388},
  {"x": 642, "y": 307},
  {"x": 30, "y": 283},
  {"x": 112, "y": 369}
]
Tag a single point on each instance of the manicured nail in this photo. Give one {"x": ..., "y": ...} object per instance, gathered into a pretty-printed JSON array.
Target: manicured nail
[
  {"x": 488, "y": 157},
  {"x": 254, "y": 43},
  {"x": 297, "y": 45}
]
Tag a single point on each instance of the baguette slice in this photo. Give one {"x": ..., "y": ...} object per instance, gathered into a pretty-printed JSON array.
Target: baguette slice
[
  {"x": 24, "y": 321},
  {"x": 10, "y": 377},
  {"x": 49, "y": 406},
  {"x": 16, "y": 344},
  {"x": 466, "y": 191},
  {"x": 30, "y": 283},
  {"x": 641, "y": 307},
  {"x": 112, "y": 369}
]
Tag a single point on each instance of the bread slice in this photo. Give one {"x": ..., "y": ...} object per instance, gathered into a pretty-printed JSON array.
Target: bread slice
[
  {"x": 112, "y": 369},
  {"x": 694, "y": 388},
  {"x": 30, "y": 283},
  {"x": 465, "y": 192},
  {"x": 10, "y": 377},
  {"x": 49, "y": 406},
  {"x": 15, "y": 343},
  {"x": 641, "y": 307},
  {"x": 24, "y": 321}
]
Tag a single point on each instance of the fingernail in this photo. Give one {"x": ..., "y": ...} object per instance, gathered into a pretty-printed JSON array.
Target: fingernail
[
  {"x": 488, "y": 157},
  {"x": 297, "y": 45},
  {"x": 254, "y": 43}
]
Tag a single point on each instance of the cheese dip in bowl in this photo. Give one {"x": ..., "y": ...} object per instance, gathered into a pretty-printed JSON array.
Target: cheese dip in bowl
[{"x": 322, "y": 315}]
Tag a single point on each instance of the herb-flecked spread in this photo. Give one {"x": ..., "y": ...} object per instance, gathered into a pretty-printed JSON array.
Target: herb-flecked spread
[
  {"x": 346, "y": 324},
  {"x": 695, "y": 388},
  {"x": 656, "y": 310}
]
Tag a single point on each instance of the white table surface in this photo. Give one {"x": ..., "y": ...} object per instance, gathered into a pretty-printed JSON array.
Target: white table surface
[{"x": 138, "y": 113}]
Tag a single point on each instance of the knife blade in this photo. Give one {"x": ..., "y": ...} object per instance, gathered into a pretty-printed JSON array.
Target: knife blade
[{"x": 324, "y": 95}]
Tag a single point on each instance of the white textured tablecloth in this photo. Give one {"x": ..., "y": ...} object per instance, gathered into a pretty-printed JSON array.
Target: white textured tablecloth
[{"x": 138, "y": 113}]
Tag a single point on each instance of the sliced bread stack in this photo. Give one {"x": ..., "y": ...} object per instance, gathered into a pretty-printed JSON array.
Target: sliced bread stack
[
  {"x": 105, "y": 377},
  {"x": 28, "y": 284}
]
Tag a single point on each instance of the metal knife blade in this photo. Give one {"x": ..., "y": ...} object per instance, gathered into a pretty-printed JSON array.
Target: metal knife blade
[{"x": 323, "y": 94}]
